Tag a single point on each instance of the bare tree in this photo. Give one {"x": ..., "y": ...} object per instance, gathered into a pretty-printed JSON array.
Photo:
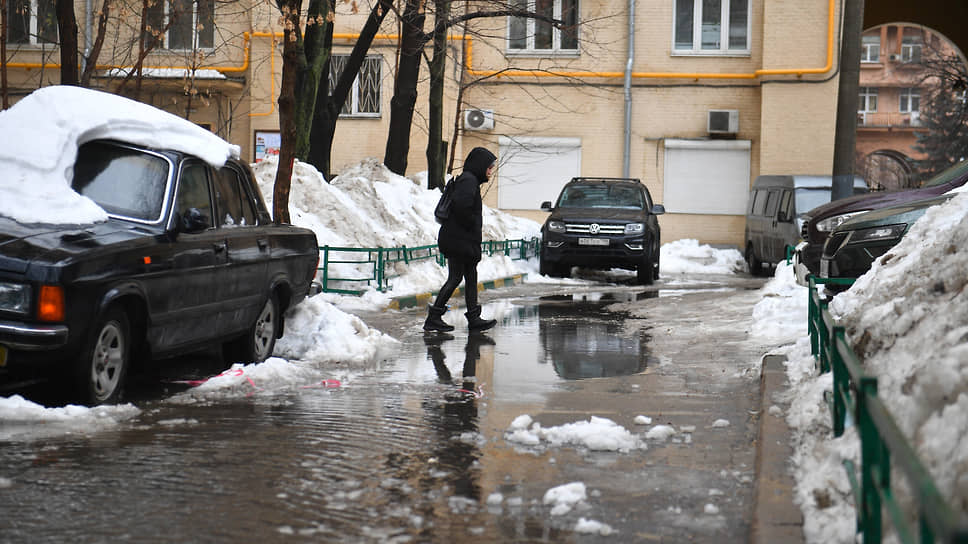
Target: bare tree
[{"x": 944, "y": 112}]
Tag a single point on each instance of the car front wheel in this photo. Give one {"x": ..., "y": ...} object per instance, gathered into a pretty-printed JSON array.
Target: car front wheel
[
  {"x": 103, "y": 365},
  {"x": 257, "y": 344}
]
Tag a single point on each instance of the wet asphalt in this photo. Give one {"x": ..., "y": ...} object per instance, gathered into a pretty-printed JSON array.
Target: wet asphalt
[{"x": 413, "y": 447}]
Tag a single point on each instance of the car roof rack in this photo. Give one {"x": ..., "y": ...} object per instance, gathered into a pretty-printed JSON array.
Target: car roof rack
[{"x": 604, "y": 179}]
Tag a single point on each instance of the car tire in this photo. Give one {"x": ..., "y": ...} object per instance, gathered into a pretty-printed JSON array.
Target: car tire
[
  {"x": 256, "y": 345},
  {"x": 101, "y": 369},
  {"x": 645, "y": 272},
  {"x": 754, "y": 263}
]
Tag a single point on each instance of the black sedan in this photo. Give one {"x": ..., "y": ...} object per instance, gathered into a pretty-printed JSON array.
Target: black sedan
[{"x": 188, "y": 257}]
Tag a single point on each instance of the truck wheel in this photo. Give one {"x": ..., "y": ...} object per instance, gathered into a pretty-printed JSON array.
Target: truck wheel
[
  {"x": 103, "y": 365},
  {"x": 256, "y": 345},
  {"x": 645, "y": 272}
]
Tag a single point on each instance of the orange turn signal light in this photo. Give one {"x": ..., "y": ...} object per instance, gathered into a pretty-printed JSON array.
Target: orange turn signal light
[{"x": 50, "y": 303}]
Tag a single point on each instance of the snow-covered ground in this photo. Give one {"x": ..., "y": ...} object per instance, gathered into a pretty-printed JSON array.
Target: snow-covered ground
[{"x": 908, "y": 318}]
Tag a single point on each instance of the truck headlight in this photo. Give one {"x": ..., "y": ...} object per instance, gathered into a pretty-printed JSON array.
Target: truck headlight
[
  {"x": 15, "y": 297},
  {"x": 556, "y": 226},
  {"x": 634, "y": 228}
]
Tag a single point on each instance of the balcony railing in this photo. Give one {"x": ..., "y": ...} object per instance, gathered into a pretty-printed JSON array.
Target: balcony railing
[{"x": 888, "y": 119}]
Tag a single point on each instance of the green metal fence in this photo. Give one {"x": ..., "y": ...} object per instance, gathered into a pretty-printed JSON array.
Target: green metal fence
[
  {"x": 855, "y": 394},
  {"x": 343, "y": 267}
]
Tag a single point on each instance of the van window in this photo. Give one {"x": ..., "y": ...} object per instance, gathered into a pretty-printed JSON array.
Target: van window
[
  {"x": 759, "y": 203},
  {"x": 771, "y": 201},
  {"x": 786, "y": 207}
]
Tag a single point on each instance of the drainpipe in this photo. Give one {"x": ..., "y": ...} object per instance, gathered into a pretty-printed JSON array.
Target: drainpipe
[
  {"x": 88, "y": 24},
  {"x": 628, "y": 91}
]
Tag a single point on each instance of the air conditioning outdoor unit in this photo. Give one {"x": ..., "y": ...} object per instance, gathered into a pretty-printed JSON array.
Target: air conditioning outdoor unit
[
  {"x": 722, "y": 121},
  {"x": 478, "y": 119},
  {"x": 894, "y": 57}
]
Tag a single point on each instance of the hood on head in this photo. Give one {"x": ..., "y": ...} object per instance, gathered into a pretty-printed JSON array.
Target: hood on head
[{"x": 478, "y": 161}]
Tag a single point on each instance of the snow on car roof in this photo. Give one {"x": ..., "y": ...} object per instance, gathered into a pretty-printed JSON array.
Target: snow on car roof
[{"x": 40, "y": 135}]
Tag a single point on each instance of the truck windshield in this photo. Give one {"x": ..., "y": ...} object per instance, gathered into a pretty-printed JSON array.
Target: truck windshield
[
  {"x": 123, "y": 181},
  {"x": 601, "y": 196}
]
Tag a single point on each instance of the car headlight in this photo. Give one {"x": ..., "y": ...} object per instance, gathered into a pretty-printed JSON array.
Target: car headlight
[
  {"x": 874, "y": 234},
  {"x": 14, "y": 297},
  {"x": 634, "y": 228},
  {"x": 556, "y": 226},
  {"x": 830, "y": 223}
]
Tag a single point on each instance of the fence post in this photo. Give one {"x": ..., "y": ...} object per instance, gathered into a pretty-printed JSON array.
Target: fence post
[
  {"x": 841, "y": 382},
  {"x": 871, "y": 450},
  {"x": 325, "y": 268},
  {"x": 379, "y": 269}
]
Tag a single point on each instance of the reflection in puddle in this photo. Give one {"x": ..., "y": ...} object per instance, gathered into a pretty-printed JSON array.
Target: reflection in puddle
[{"x": 581, "y": 339}]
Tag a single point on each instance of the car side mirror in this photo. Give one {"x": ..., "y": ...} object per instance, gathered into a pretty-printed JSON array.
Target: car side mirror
[
  {"x": 658, "y": 209},
  {"x": 194, "y": 220},
  {"x": 546, "y": 205}
]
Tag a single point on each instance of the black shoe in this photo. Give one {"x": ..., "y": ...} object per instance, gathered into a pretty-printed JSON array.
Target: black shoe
[
  {"x": 435, "y": 321},
  {"x": 474, "y": 321}
]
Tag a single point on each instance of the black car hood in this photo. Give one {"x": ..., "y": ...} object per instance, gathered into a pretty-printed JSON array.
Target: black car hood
[
  {"x": 876, "y": 200},
  {"x": 21, "y": 244},
  {"x": 597, "y": 214}
]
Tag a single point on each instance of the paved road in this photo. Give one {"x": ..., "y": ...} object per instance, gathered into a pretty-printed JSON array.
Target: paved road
[{"x": 415, "y": 447}]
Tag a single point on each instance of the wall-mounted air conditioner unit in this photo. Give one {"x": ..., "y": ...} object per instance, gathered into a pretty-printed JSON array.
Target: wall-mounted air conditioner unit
[
  {"x": 722, "y": 121},
  {"x": 895, "y": 58},
  {"x": 478, "y": 119}
]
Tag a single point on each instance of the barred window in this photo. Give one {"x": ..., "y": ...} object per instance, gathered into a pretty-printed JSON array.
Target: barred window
[{"x": 364, "y": 98}]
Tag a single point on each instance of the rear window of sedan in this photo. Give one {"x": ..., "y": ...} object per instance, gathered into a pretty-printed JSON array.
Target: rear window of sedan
[{"x": 123, "y": 181}]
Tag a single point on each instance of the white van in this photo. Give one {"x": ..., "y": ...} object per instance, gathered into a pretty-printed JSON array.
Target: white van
[{"x": 773, "y": 214}]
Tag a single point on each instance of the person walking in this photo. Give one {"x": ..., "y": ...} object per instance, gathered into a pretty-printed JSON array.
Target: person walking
[{"x": 459, "y": 239}]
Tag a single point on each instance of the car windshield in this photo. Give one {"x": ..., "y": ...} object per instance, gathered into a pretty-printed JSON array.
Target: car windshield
[
  {"x": 957, "y": 171},
  {"x": 121, "y": 180},
  {"x": 601, "y": 196}
]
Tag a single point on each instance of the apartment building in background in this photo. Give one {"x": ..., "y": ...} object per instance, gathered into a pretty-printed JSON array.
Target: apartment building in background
[
  {"x": 694, "y": 98},
  {"x": 895, "y": 81}
]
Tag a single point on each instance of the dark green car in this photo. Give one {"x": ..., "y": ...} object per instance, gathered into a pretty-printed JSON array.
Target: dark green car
[{"x": 856, "y": 243}]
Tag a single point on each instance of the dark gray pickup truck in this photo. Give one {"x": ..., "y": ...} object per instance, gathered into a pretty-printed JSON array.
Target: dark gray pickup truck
[{"x": 188, "y": 258}]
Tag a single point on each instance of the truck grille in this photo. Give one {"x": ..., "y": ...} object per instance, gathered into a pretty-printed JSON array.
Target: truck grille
[{"x": 585, "y": 228}]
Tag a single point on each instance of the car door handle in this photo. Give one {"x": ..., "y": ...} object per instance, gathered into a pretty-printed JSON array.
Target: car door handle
[
  {"x": 219, "y": 247},
  {"x": 263, "y": 244}
]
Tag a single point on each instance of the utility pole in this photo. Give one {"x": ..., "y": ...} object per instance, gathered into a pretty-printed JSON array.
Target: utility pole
[{"x": 845, "y": 139}]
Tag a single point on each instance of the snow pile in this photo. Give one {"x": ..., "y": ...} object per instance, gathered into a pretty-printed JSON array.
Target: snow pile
[
  {"x": 40, "y": 135},
  {"x": 564, "y": 497},
  {"x": 908, "y": 321},
  {"x": 687, "y": 256},
  {"x": 21, "y": 416},
  {"x": 597, "y": 434},
  {"x": 320, "y": 332}
]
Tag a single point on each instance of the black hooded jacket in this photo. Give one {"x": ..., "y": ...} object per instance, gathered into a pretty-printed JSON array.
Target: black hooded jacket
[{"x": 460, "y": 235}]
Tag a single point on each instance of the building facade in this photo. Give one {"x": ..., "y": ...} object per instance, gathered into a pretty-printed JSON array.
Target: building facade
[{"x": 694, "y": 98}]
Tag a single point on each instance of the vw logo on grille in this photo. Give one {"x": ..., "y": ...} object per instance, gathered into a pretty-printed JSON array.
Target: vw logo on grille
[{"x": 594, "y": 228}]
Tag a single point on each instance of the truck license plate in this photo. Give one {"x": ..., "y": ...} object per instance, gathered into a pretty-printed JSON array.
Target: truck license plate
[
  {"x": 3, "y": 356},
  {"x": 593, "y": 241}
]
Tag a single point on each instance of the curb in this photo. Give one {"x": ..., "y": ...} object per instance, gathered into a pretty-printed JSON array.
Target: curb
[
  {"x": 424, "y": 299},
  {"x": 775, "y": 517}
]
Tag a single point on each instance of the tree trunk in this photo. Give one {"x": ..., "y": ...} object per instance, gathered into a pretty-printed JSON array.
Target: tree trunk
[
  {"x": 329, "y": 104},
  {"x": 67, "y": 26},
  {"x": 5, "y": 98},
  {"x": 436, "y": 147},
  {"x": 91, "y": 62},
  {"x": 405, "y": 89},
  {"x": 292, "y": 65}
]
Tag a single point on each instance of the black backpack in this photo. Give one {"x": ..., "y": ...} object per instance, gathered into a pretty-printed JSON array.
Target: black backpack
[{"x": 442, "y": 211}]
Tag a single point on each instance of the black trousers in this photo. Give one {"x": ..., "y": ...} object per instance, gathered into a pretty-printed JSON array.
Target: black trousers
[{"x": 458, "y": 270}]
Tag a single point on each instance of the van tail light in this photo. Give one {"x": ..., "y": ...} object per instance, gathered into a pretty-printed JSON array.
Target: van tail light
[{"x": 50, "y": 303}]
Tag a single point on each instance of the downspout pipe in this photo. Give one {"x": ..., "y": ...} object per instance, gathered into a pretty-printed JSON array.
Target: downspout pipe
[
  {"x": 88, "y": 39},
  {"x": 627, "y": 151}
]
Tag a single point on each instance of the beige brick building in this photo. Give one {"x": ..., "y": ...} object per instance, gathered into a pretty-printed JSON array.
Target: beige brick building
[{"x": 716, "y": 97}]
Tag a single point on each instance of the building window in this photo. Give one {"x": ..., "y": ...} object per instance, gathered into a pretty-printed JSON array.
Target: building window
[
  {"x": 31, "y": 21},
  {"x": 870, "y": 49},
  {"x": 364, "y": 98},
  {"x": 911, "y": 49},
  {"x": 528, "y": 35},
  {"x": 711, "y": 26},
  {"x": 181, "y": 24},
  {"x": 910, "y": 100},
  {"x": 868, "y": 99}
]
